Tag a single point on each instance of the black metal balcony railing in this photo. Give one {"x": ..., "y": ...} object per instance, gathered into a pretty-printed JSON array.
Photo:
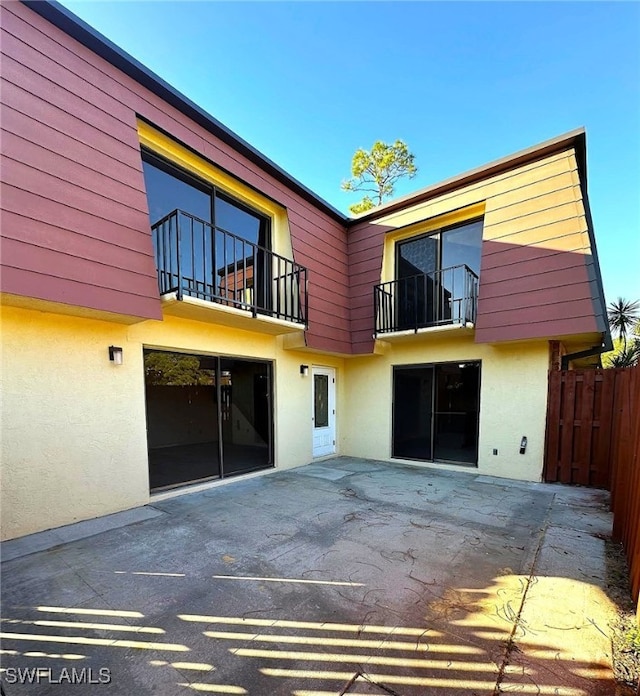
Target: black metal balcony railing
[
  {"x": 448, "y": 296},
  {"x": 197, "y": 259}
]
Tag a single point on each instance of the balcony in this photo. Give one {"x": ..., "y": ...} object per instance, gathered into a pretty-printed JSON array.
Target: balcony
[
  {"x": 208, "y": 273},
  {"x": 443, "y": 299}
]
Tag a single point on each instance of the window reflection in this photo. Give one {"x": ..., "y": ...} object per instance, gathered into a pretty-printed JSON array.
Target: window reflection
[
  {"x": 207, "y": 417},
  {"x": 433, "y": 282},
  {"x": 221, "y": 241},
  {"x": 462, "y": 245},
  {"x": 167, "y": 192}
]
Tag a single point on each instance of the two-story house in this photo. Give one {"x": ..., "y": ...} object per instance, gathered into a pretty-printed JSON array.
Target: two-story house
[{"x": 178, "y": 310}]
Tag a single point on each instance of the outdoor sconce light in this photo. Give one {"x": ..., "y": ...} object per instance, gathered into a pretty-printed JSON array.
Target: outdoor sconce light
[
  {"x": 304, "y": 370},
  {"x": 115, "y": 355},
  {"x": 523, "y": 445}
]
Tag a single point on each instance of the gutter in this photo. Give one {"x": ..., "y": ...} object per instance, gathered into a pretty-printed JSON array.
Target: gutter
[{"x": 604, "y": 347}]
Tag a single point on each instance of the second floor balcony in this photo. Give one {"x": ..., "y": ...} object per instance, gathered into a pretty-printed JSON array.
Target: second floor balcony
[
  {"x": 448, "y": 297},
  {"x": 210, "y": 265}
]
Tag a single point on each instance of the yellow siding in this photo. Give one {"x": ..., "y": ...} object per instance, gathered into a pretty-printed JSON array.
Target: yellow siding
[
  {"x": 540, "y": 203},
  {"x": 530, "y": 174},
  {"x": 569, "y": 234}
]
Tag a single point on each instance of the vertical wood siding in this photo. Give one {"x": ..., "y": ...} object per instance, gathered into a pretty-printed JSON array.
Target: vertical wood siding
[
  {"x": 625, "y": 484},
  {"x": 593, "y": 439},
  {"x": 579, "y": 437},
  {"x": 74, "y": 192}
]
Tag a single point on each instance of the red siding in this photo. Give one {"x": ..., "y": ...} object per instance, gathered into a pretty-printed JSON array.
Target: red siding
[
  {"x": 75, "y": 223},
  {"x": 77, "y": 231},
  {"x": 534, "y": 292},
  {"x": 77, "y": 193},
  {"x": 366, "y": 245}
]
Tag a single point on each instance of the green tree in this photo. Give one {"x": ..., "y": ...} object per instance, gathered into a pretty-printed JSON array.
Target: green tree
[
  {"x": 173, "y": 369},
  {"x": 622, "y": 356},
  {"x": 376, "y": 172},
  {"x": 622, "y": 316},
  {"x": 624, "y": 319}
]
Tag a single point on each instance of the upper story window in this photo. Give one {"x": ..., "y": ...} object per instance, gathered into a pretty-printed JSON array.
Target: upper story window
[
  {"x": 169, "y": 188},
  {"x": 436, "y": 280},
  {"x": 437, "y": 277},
  {"x": 207, "y": 244},
  {"x": 217, "y": 239},
  {"x": 445, "y": 249}
]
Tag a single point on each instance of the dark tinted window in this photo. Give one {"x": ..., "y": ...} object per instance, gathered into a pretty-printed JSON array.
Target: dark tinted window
[
  {"x": 321, "y": 401},
  {"x": 167, "y": 192},
  {"x": 453, "y": 247},
  {"x": 418, "y": 256},
  {"x": 463, "y": 245},
  {"x": 233, "y": 218}
]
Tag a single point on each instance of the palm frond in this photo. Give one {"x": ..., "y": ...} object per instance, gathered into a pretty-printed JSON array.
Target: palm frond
[
  {"x": 629, "y": 356},
  {"x": 622, "y": 316}
]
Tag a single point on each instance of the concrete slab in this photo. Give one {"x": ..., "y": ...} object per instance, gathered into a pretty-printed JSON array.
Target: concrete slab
[
  {"x": 325, "y": 472},
  {"x": 349, "y": 577},
  {"x": 563, "y": 630},
  {"x": 16, "y": 548}
]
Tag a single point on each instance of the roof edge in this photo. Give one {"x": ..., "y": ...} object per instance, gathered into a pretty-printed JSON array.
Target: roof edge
[
  {"x": 72, "y": 25},
  {"x": 573, "y": 139}
]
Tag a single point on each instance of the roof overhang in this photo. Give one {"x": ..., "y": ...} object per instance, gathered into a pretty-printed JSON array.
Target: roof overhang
[
  {"x": 82, "y": 32},
  {"x": 575, "y": 140}
]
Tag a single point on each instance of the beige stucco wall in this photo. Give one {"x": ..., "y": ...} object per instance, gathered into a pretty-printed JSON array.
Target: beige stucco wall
[
  {"x": 73, "y": 436},
  {"x": 73, "y": 424},
  {"x": 513, "y": 397},
  {"x": 74, "y": 429}
]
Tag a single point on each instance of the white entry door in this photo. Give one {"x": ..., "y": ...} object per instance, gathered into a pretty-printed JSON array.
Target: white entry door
[{"x": 324, "y": 411}]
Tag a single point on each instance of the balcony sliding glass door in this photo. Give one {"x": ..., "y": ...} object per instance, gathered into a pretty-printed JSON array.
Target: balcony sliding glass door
[
  {"x": 214, "y": 244},
  {"x": 417, "y": 263},
  {"x": 436, "y": 280},
  {"x": 212, "y": 247}
]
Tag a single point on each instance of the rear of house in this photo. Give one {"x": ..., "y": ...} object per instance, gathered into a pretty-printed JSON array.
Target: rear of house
[
  {"x": 178, "y": 310},
  {"x": 474, "y": 288}
]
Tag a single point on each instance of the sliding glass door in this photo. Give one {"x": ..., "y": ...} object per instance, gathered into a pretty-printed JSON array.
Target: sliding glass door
[
  {"x": 207, "y": 417},
  {"x": 431, "y": 275},
  {"x": 435, "y": 412},
  {"x": 413, "y": 413},
  {"x": 245, "y": 415}
]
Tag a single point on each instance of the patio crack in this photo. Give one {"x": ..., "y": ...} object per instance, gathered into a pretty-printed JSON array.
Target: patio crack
[
  {"x": 511, "y": 646},
  {"x": 364, "y": 676}
]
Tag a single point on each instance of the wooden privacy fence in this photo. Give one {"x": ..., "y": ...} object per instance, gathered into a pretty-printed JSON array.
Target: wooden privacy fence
[
  {"x": 580, "y": 425},
  {"x": 625, "y": 473},
  {"x": 593, "y": 439}
]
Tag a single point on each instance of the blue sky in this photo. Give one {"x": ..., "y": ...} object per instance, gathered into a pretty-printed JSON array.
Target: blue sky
[{"x": 462, "y": 83}]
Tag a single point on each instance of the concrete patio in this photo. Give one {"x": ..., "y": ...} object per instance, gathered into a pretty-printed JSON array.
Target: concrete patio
[{"x": 345, "y": 577}]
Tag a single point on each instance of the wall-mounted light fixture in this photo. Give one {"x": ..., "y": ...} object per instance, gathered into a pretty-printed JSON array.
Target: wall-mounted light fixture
[
  {"x": 523, "y": 444},
  {"x": 304, "y": 370},
  {"x": 116, "y": 355}
]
